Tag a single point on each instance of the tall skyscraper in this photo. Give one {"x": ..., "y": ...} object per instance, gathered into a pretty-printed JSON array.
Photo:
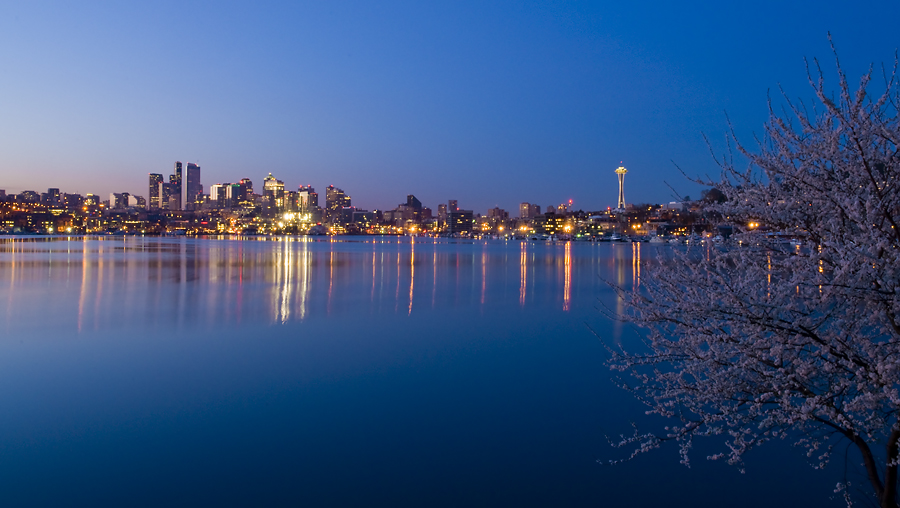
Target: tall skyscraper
[
  {"x": 335, "y": 200},
  {"x": 155, "y": 180},
  {"x": 452, "y": 205},
  {"x": 174, "y": 193},
  {"x": 192, "y": 188},
  {"x": 273, "y": 192}
]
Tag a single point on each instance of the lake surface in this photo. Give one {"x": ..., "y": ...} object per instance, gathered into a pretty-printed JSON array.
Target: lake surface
[{"x": 349, "y": 371}]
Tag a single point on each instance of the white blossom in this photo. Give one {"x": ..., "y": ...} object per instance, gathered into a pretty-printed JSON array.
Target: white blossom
[{"x": 762, "y": 339}]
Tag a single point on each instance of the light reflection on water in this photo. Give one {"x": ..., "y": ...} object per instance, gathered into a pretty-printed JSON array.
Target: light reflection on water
[{"x": 99, "y": 282}]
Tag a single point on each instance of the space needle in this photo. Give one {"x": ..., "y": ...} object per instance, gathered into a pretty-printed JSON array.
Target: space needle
[{"x": 621, "y": 172}]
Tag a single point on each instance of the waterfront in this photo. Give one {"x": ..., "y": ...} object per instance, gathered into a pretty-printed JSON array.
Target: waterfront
[{"x": 351, "y": 371}]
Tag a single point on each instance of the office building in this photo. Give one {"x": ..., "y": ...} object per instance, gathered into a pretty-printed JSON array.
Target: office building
[
  {"x": 460, "y": 222},
  {"x": 192, "y": 186},
  {"x": 335, "y": 200},
  {"x": 154, "y": 191},
  {"x": 273, "y": 195},
  {"x": 307, "y": 199}
]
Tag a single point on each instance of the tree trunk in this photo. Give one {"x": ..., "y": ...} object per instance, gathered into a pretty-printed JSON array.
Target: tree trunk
[
  {"x": 889, "y": 494},
  {"x": 872, "y": 471}
]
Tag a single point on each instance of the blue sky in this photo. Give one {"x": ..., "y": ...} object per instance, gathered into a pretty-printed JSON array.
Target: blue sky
[{"x": 490, "y": 103}]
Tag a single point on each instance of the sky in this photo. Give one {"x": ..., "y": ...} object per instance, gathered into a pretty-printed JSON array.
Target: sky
[{"x": 489, "y": 103}]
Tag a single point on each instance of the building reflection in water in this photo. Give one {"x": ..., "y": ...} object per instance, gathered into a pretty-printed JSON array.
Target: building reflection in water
[
  {"x": 180, "y": 282},
  {"x": 483, "y": 271},
  {"x": 412, "y": 272},
  {"x": 636, "y": 264},
  {"x": 567, "y": 284},
  {"x": 523, "y": 272}
]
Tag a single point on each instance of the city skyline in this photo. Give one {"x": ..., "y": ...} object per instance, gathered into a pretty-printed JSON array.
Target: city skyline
[
  {"x": 155, "y": 195},
  {"x": 499, "y": 103}
]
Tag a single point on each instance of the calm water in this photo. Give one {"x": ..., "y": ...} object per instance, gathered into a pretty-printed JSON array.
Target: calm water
[{"x": 355, "y": 372}]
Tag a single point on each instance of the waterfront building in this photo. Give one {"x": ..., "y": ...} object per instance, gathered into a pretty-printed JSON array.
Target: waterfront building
[
  {"x": 460, "y": 221},
  {"x": 525, "y": 211}
]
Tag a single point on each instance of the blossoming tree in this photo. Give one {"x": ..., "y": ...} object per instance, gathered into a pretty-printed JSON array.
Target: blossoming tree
[{"x": 768, "y": 338}]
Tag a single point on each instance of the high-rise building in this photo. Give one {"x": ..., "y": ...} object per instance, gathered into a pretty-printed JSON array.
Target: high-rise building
[
  {"x": 307, "y": 199},
  {"x": 233, "y": 193},
  {"x": 118, "y": 200},
  {"x": 442, "y": 212},
  {"x": 273, "y": 193},
  {"x": 155, "y": 180},
  {"x": 174, "y": 193},
  {"x": 335, "y": 200},
  {"x": 452, "y": 205},
  {"x": 53, "y": 196},
  {"x": 247, "y": 186},
  {"x": 192, "y": 188},
  {"x": 525, "y": 211},
  {"x": 218, "y": 195},
  {"x": 460, "y": 221},
  {"x": 413, "y": 202},
  {"x": 497, "y": 213},
  {"x": 245, "y": 195}
]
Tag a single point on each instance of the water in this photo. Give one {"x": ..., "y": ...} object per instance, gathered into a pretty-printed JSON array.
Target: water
[{"x": 333, "y": 372}]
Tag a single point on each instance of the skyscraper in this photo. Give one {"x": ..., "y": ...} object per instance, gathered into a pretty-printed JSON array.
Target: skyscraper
[
  {"x": 307, "y": 199},
  {"x": 174, "y": 192},
  {"x": 193, "y": 188},
  {"x": 246, "y": 192},
  {"x": 335, "y": 200},
  {"x": 273, "y": 194},
  {"x": 155, "y": 180}
]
